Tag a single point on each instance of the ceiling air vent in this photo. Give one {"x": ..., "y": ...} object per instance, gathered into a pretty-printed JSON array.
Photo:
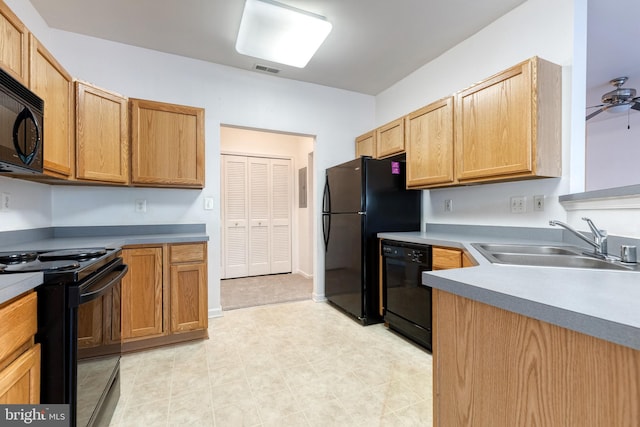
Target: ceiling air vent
[{"x": 266, "y": 69}]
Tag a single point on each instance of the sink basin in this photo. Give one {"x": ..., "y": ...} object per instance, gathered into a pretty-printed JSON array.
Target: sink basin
[
  {"x": 546, "y": 256},
  {"x": 576, "y": 261},
  {"x": 527, "y": 249}
]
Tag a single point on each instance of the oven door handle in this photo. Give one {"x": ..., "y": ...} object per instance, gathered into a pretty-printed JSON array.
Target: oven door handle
[{"x": 100, "y": 288}]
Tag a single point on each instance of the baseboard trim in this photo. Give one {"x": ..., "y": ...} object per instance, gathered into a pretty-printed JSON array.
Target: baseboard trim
[{"x": 215, "y": 312}]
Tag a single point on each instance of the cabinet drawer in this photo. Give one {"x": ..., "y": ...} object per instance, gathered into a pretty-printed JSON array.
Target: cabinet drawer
[
  {"x": 18, "y": 323},
  {"x": 446, "y": 258},
  {"x": 187, "y": 252}
]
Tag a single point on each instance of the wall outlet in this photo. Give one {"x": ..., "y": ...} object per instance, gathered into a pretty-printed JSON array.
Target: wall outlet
[
  {"x": 518, "y": 204},
  {"x": 141, "y": 205},
  {"x": 448, "y": 205},
  {"x": 5, "y": 202},
  {"x": 538, "y": 203}
]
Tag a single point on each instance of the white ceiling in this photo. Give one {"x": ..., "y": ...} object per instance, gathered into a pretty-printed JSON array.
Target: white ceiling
[
  {"x": 373, "y": 44},
  {"x": 613, "y": 32}
]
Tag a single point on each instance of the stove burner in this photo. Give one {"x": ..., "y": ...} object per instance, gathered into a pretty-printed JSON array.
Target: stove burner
[
  {"x": 17, "y": 257},
  {"x": 77, "y": 254},
  {"x": 43, "y": 266}
]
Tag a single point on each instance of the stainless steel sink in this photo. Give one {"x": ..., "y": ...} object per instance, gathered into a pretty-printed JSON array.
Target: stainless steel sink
[
  {"x": 547, "y": 256},
  {"x": 557, "y": 261},
  {"x": 527, "y": 249}
]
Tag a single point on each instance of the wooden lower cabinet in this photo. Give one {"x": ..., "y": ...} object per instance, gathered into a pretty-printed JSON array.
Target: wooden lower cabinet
[
  {"x": 188, "y": 287},
  {"x": 496, "y": 368},
  {"x": 446, "y": 258},
  {"x": 19, "y": 355},
  {"x": 142, "y": 293},
  {"x": 164, "y": 295}
]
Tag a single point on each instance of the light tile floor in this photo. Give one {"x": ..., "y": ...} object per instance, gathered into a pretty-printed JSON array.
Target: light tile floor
[{"x": 292, "y": 364}]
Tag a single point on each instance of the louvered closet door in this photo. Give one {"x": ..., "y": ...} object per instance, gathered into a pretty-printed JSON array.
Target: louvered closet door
[
  {"x": 259, "y": 216},
  {"x": 236, "y": 232},
  {"x": 280, "y": 216}
]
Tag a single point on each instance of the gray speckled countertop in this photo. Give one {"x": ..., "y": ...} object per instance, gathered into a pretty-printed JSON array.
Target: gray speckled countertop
[
  {"x": 12, "y": 285},
  {"x": 600, "y": 303}
]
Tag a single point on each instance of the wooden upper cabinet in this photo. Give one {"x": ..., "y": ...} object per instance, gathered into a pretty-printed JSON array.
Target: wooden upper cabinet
[
  {"x": 14, "y": 42},
  {"x": 430, "y": 161},
  {"x": 167, "y": 143},
  {"x": 366, "y": 145},
  {"x": 50, "y": 81},
  {"x": 390, "y": 138},
  {"x": 102, "y": 150},
  {"x": 509, "y": 125}
]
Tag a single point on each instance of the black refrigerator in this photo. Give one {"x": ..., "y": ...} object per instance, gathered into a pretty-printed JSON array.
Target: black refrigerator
[{"x": 362, "y": 198}]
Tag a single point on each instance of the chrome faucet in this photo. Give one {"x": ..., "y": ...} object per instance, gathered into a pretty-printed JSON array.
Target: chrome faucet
[{"x": 599, "y": 241}]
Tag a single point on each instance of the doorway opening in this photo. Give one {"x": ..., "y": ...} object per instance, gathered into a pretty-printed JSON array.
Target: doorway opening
[{"x": 266, "y": 217}]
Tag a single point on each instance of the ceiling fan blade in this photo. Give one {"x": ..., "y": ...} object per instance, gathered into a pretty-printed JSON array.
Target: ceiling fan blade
[
  {"x": 635, "y": 105},
  {"x": 595, "y": 113},
  {"x": 596, "y": 106}
]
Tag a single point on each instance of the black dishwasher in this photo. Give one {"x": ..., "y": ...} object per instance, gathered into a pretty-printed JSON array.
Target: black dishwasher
[{"x": 407, "y": 301}]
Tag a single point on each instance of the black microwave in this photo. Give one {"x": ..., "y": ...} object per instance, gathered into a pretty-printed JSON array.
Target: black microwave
[{"x": 21, "y": 127}]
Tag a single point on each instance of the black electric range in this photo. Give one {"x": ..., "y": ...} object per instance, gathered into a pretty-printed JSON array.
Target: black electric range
[{"x": 79, "y": 327}]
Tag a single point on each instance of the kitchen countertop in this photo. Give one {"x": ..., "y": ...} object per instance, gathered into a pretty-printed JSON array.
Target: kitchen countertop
[
  {"x": 12, "y": 285},
  {"x": 600, "y": 303},
  {"x": 56, "y": 243}
]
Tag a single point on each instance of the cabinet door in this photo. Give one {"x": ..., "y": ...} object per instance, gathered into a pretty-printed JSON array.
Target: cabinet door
[
  {"x": 102, "y": 151},
  {"x": 142, "y": 293},
  {"x": 390, "y": 138},
  {"x": 20, "y": 381},
  {"x": 13, "y": 45},
  {"x": 430, "y": 160},
  {"x": 494, "y": 125},
  {"x": 188, "y": 297},
  {"x": 54, "y": 85},
  {"x": 167, "y": 143},
  {"x": 366, "y": 145}
]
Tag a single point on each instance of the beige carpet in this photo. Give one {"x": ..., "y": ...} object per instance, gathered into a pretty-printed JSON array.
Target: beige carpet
[{"x": 262, "y": 290}]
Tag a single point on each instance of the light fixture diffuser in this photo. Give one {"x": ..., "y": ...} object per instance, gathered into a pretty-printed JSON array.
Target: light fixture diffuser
[
  {"x": 280, "y": 33},
  {"x": 618, "y": 108}
]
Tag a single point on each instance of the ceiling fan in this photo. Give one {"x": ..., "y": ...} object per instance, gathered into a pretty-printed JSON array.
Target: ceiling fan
[{"x": 619, "y": 100}]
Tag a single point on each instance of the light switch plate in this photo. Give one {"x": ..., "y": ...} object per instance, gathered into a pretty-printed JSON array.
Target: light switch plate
[{"x": 208, "y": 203}]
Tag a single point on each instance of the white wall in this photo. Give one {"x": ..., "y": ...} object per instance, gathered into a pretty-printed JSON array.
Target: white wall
[
  {"x": 613, "y": 151},
  {"x": 295, "y": 147},
  {"x": 537, "y": 27},
  {"x": 29, "y": 205},
  {"x": 229, "y": 96}
]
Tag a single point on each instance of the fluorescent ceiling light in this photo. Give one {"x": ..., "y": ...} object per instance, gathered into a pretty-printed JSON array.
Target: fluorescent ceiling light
[{"x": 280, "y": 33}]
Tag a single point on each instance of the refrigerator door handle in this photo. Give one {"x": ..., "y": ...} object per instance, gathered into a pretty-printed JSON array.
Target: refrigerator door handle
[
  {"x": 326, "y": 197},
  {"x": 326, "y": 230},
  {"x": 362, "y": 213}
]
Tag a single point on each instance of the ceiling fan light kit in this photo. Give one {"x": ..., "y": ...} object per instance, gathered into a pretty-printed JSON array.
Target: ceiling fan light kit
[
  {"x": 279, "y": 33},
  {"x": 619, "y": 100}
]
